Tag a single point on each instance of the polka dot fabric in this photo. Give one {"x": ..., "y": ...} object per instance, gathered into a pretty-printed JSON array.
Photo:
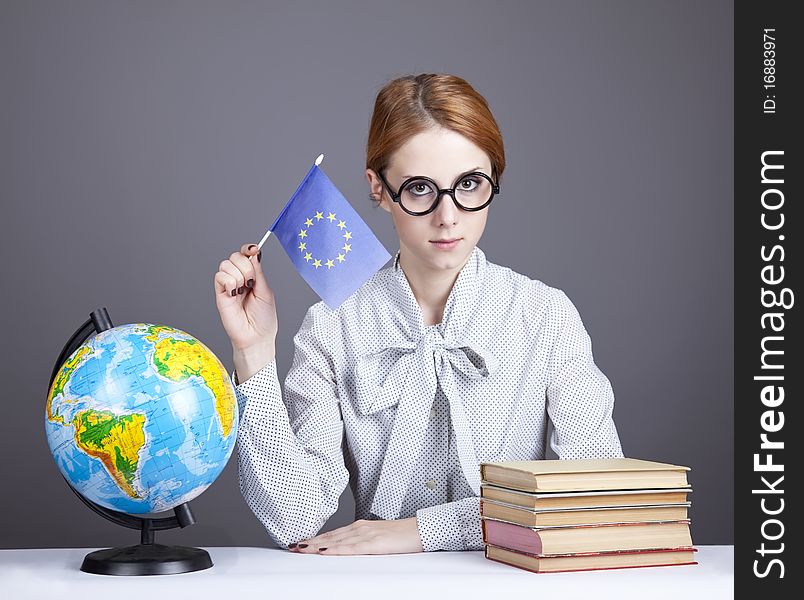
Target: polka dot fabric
[{"x": 404, "y": 413}]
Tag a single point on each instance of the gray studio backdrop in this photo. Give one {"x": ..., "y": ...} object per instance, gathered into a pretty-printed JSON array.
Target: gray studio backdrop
[{"x": 142, "y": 142}]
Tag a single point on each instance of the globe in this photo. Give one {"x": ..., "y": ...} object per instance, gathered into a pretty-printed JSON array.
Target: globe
[{"x": 141, "y": 418}]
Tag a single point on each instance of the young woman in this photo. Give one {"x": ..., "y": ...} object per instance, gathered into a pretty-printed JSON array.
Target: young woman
[{"x": 439, "y": 362}]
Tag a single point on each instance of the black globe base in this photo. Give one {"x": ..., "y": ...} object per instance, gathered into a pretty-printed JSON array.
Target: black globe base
[{"x": 146, "y": 559}]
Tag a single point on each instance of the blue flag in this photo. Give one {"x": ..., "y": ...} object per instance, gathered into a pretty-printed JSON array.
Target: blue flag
[{"x": 331, "y": 247}]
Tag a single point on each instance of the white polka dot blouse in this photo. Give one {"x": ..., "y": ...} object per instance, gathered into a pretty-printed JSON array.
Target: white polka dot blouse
[{"x": 404, "y": 413}]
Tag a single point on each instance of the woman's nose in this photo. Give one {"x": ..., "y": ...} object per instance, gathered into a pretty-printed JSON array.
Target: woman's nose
[{"x": 446, "y": 211}]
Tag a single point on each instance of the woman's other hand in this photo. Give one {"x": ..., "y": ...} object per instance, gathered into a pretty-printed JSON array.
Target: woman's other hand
[{"x": 365, "y": 537}]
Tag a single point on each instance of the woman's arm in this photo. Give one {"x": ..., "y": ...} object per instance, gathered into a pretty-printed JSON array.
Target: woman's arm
[
  {"x": 580, "y": 400},
  {"x": 290, "y": 460},
  {"x": 449, "y": 526}
]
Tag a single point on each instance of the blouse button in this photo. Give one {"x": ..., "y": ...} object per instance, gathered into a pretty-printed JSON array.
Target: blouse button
[
  {"x": 432, "y": 413},
  {"x": 431, "y": 483}
]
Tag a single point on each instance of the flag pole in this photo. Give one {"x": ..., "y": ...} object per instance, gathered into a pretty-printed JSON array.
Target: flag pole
[{"x": 318, "y": 161}]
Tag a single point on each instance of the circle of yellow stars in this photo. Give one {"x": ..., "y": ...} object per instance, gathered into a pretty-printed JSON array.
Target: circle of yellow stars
[{"x": 347, "y": 247}]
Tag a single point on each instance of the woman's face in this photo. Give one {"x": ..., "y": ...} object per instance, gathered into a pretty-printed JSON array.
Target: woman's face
[{"x": 442, "y": 155}]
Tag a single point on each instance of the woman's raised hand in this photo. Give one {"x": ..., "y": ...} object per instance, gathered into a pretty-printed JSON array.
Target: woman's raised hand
[{"x": 247, "y": 308}]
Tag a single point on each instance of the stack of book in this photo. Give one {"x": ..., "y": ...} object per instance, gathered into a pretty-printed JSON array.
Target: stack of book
[{"x": 578, "y": 515}]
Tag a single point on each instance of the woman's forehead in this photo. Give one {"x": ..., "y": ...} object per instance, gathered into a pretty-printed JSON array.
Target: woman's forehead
[{"x": 438, "y": 153}]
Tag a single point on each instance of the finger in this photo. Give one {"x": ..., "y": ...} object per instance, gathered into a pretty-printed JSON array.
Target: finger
[
  {"x": 249, "y": 250},
  {"x": 246, "y": 268},
  {"x": 315, "y": 544},
  {"x": 362, "y": 547},
  {"x": 333, "y": 536},
  {"x": 230, "y": 269},
  {"x": 225, "y": 284},
  {"x": 254, "y": 255}
]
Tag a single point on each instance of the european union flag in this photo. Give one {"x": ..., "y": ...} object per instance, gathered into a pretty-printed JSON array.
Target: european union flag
[{"x": 331, "y": 247}]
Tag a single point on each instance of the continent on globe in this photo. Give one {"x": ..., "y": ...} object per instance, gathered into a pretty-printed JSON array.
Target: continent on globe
[{"x": 115, "y": 441}]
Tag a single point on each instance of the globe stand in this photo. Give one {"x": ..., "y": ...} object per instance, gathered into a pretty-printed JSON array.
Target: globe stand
[{"x": 147, "y": 557}]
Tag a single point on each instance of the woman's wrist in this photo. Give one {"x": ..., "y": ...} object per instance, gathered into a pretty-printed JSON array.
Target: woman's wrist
[{"x": 248, "y": 361}]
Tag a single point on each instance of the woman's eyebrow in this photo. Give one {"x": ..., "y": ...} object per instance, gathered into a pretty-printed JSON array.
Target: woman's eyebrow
[{"x": 472, "y": 170}]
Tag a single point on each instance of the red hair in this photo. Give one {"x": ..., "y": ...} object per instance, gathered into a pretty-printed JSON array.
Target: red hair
[{"x": 411, "y": 104}]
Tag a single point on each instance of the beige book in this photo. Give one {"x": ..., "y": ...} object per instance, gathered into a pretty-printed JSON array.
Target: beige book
[
  {"x": 586, "y": 538},
  {"x": 584, "y": 499},
  {"x": 583, "y": 474},
  {"x": 585, "y": 562},
  {"x": 582, "y": 516}
]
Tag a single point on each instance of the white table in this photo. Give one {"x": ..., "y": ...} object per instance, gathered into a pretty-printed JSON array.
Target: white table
[{"x": 258, "y": 573}]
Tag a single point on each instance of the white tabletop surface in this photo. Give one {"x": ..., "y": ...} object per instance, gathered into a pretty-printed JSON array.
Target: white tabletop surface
[{"x": 274, "y": 573}]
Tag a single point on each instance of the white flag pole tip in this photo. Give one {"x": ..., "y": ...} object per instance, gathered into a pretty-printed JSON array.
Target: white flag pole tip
[
  {"x": 262, "y": 241},
  {"x": 319, "y": 159}
]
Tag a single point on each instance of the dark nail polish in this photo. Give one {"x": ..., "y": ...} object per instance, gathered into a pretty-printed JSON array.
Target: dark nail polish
[
  {"x": 250, "y": 283},
  {"x": 234, "y": 292},
  {"x": 303, "y": 545},
  {"x": 241, "y": 289},
  {"x": 259, "y": 256},
  {"x": 320, "y": 549},
  {"x": 252, "y": 246},
  {"x": 293, "y": 545}
]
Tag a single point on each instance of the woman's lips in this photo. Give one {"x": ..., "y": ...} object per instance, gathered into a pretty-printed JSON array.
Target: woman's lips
[{"x": 445, "y": 245}]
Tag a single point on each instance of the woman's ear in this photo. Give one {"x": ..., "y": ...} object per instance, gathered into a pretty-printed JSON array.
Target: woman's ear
[{"x": 376, "y": 190}]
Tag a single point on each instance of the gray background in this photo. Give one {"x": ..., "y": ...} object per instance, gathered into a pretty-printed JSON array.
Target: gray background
[{"x": 142, "y": 142}]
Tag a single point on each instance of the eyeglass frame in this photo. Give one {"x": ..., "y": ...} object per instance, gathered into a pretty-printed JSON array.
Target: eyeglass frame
[{"x": 395, "y": 196}]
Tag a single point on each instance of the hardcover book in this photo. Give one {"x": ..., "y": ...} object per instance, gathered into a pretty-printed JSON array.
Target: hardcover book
[
  {"x": 584, "y": 474},
  {"x": 582, "y": 516},
  {"x": 592, "y": 561}
]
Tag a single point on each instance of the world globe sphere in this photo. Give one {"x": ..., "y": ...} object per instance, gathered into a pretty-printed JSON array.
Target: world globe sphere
[{"x": 141, "y": 418}]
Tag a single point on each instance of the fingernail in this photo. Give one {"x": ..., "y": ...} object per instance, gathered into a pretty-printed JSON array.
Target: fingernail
[
  {"x": 252, "y": 246},
  {"x": 241, "y": 289},
  {"x": 259, "y": 256},
  {"x": 250, "y": 283},
  {"x": 321, "y": 549},
  {"x": 234, "y": 292},
  {"x": 293, "y": 545},
  {"x": 303, "y": 545}
]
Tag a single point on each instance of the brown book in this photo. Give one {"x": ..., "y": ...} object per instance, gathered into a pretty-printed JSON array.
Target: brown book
[
  {"x": 582, "y": 516},
  {"x": 584, "y": 499},
  {"x": 583, "y": 474},
  {"x": 586, "y": 538},
  {"x": 592, "y": 561}
]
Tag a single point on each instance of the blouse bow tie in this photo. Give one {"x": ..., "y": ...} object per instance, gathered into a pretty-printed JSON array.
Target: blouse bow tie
[{"x": 410, "y": 383}]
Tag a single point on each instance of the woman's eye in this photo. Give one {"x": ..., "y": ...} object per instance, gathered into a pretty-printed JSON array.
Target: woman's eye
[
  {"x": 419, "y": 189},
  {"x": 468, "y": 184}
]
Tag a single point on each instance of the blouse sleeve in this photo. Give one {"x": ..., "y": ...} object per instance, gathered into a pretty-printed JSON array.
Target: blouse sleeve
[
  {"x": 289, "y": 455},
  {"x": 580, "y": 400},
  {"x": 451, "y": 526}
]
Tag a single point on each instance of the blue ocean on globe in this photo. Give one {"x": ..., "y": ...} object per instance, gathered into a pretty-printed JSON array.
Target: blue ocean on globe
[{"x": 141, "y": 418}]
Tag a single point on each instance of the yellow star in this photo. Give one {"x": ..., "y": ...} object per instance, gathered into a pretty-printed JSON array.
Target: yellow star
[
  {"x": 308, "y": 257},
  {"x": 347, "y": 247},
  {"x": 330, "y": 263},
  {"x": 319, "y": 216},
  {"x": 347, "y": 235},
  {"x": 302, "y": 246},
  {"x": 308, "y": 222},
  {"x": 302, "y": 233},
  {"x": 341, "y": 258},
  {"x": 341, "y": 224},
  {"x": 331, "y": 217},
  {"x": 317, "y": 263}
]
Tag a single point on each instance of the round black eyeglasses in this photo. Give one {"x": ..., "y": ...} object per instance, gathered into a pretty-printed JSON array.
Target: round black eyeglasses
[{"x": 420, "y": 195}]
